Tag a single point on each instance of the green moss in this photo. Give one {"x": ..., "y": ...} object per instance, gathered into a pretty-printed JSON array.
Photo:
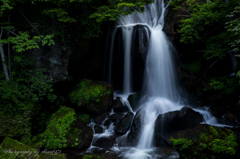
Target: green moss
[
  {"x": 88, "y": 91},
  {"x": 85, "y": 118},
  {"x": 213, "y": 142},
  {"x": 36, "y": 141},
  {"x": 54, "y": 137},
  {"x": 92, "y": 157},
  {"x": 14, "y": 145},
  {"x": 182, "y": 144},
  {"x": 4, "y": 155},
  {"x": 52, "y": 156},
  {"x": 57, "y": 128},
  {"x": 72, "y": 136}
]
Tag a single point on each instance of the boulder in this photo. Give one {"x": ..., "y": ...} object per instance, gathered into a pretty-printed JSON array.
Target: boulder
[
  {"x": 53, "y": 57},
  {"x": 119, "y": 107},
  {"x": 107, "y": 123},
  {"x": 79, "y": 135},
  {"x": 100, "y": 118},
  {"x": 134, "y": 134},
  {"x": 134, "y": 100},
  {"x": 124, "y": 124},
  {"x": 100, "y": 156},
  {"x": 104, "y": 142},
  {"x": 52, "y": 156},
  {"x": 10, "y": 145},
  {"x": 171, "y": 122},
  {"x": 98, "y": 129},
  {"x": 94, "y": 97},
  {"x": 205, "y": 141},
  {"x": 117, "y": 116},
  {"x": 11, "y": 149}
]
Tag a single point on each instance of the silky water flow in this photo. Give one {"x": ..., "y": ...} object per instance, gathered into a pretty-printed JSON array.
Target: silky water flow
[{"x": 161, "y": 91}]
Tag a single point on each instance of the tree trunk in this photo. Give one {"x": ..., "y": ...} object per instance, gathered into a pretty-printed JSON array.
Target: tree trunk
[
  {"x": 9, "y": 56},
  {"x": 5, "y": 71}
]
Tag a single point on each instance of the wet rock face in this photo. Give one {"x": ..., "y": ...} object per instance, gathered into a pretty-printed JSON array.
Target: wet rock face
[
  {"x": 134, "y": 134},
  {"x": 134, "y": 100},
  {"x": 100, "y": 118},
  {"x": 119, "y": 107},
  {"x": 116, "y": 117},
  {"x": 98, "y": 129},
  {"x": 171, "y": 122},
  {"x": 124, "y": 124},
  {"x": 105, "y": 142},
  {"x": 54, "y": 59}
]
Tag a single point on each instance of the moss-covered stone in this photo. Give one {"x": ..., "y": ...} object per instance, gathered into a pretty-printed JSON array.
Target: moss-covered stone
[
  {"x": 17, "y": 125},
  {"x": 20, "y": 150},
  {"x": 52, "y": 156},
  {"x": 13, "y": 149},
  {"x": 92, "y": 157},
  {"x": 63, "y": 131},
  {"x": 79, "y": 135},
  {"x": 36, "y": 141},
  {"x": 93, "y": 96},
  {"x": 4, "y": 155},
  {"x": 205, "y": 142}
]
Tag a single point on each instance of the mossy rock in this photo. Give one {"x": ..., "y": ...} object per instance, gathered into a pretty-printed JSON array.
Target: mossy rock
[
  {"x": 17, "y": 125},
  {"x": 64, "y": 130},
  {"x": 93, "y": 97},
  {"x": 204, "y": 142},
  {"x": 92, "y": 157},
  {"x": 4, "y": 155},
  {"x": 12, "y": 145},
  {"x": 36, "y": 141},
  {"x": 79, "y": 135},
  {"x": 52, "y": 156}
]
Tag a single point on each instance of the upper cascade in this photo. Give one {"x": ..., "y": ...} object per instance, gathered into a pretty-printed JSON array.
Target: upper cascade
[{"x": 153, "y": 15}]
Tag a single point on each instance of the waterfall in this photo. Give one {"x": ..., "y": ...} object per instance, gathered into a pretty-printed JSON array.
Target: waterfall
[{"x": 159, "y": 82}]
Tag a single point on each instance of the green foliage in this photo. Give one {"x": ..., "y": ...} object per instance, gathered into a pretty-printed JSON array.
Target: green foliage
[
  {"x": 234, "y": 28},
  {"x": 26, "y": 85},
  {"x": 22, "y": 42},
  {"x": 117, "y": 8},
  {"x": 211, "y": 142},
  {"x": 18, "y": 125},
  {"x": 85, "y": 118},
  {"x": 87, "y": 91},
  {"x": 224, "y": 84},
  {"x": 60, "y": 14},
  {"x": 205, "y": 21},
  {"x": 54, "y": 137}
]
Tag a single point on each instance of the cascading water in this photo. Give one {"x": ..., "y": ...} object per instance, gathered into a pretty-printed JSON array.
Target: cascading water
[{"x": 160, "y": 89}]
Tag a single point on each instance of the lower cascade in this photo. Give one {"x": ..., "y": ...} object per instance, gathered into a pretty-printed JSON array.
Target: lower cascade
[{"x": 138, "y": 130}]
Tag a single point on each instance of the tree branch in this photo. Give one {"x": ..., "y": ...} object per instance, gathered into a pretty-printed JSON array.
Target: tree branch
[{"x": 27, "y": 20}]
